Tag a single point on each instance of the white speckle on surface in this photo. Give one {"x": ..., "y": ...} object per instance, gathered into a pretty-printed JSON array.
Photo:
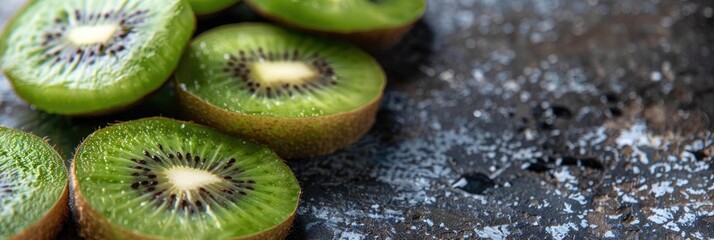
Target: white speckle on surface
[
  {"x": 499, "y": 232},
  {"x": 428, "y": 222},
  {"x": 662, "y": 188},
  {"x": 460, "y": 183},
  {"x": 351, "y": 236},
  {"x": 578, "y": 197},
  {"x": 568, "y": 208},
  {"x": 695, "y": 191},
  {"x": 655, "y": 76},
  {"x": 559, "y": 232},
  {"x": 662, "y": 215},
  {"x": 629, "y": 199}
]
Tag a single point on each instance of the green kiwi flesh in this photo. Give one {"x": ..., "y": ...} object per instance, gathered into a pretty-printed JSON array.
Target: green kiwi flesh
[
  {"x": 203, "y": 7},
  {"x": 158, "y": 178},
  {"x": 301, "y": 95},
  {"x": 80, "y": 57},
  {"x": 33, "y": 187},
  {"x": 375, "y": 24}
]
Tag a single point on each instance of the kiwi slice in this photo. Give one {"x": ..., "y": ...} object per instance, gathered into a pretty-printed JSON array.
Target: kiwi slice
[
  {"x": 33, "y": 187},
  {"x": 158, "y": 178},
  {"x": 374, "y": 24},
  {"x": 301, "y": 95},
  {"x": 82, "y": 57},
  {"x": 204, "y": 7}
]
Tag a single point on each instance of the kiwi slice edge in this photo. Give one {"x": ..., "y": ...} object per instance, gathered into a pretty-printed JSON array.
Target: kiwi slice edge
[
  {"x": 208, "y": 7},
  {"x": 47, "y": 224},
  {"x": 374, "y": 38},
  {"x": 291, "y": 138},
  {"x": 95, "y": 225}
]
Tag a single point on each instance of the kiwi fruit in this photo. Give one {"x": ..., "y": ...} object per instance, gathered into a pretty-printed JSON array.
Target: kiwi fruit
[
  {"x": 372, "y": 24},
  {"x": 204, "y": 7},
  {"x": 80, "y": 57},
  {"x": 300, "y": 95},
  {"x": 34, "y": 195},
  {"x": 158, "y": 178}
]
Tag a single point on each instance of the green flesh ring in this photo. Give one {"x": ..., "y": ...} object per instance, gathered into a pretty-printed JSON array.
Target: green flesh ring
[
  {"x": 33, "y": 187},
  {"x": 203, "y": 7},
  {"x": 83, "y": 57},
  {"x": 159, "y": 178},
  {"x": 342, "y": 16},
  {"x": 240, "y": 68}
]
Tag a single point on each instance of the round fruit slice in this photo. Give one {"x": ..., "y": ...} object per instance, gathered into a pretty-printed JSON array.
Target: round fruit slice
[
  {"x": 301, "y": 95},
  {"x": 371, "y": 23},
  {"x": 159, "y": 178},
  {"x": 33, "y": 187},
  {"x": 83, "y": 57},
  {"x": 203, "y": 7}
]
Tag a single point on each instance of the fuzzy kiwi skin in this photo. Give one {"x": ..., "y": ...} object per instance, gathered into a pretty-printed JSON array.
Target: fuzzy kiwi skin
[
  {"x": 290, "y": 138},
  {"x": 49, "y": 225},
  {"x": 93, "y": 225},
  {"x": 372, "y": 40}
]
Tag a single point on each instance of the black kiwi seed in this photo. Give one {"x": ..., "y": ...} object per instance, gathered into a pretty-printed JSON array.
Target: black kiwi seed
[
  {"x": 68, "y": 52},
  {"x": 147, "y": 182},
  {"x": 5, "y": 187},
  {"x": 239, "y": 66}
]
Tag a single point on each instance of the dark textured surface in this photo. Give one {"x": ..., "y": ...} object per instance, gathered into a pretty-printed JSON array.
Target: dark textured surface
[{"x": 553, "y": 119}]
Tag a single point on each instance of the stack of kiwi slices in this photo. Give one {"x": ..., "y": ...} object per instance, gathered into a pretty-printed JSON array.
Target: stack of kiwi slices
[
  {"x": 83, "y": 57},
  {"x": 301, "y": 95},
  {"x": 33, "y": 187},
  {"x": 159, "y": 178},
  {"x": 270, "y": 92},
  {"x": 373, "y": 24}
]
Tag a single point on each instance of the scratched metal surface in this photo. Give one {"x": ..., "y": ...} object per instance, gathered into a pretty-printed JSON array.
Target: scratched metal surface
[{"x": 549, "y": 119}]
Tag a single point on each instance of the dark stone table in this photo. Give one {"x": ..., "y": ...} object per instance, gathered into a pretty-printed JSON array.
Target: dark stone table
[{"x": 550, "y": 119}]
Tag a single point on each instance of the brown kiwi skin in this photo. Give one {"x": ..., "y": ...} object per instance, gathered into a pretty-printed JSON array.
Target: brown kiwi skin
[
  {"x": 373, "y": 40},
  {"x": 51, "y": 223},
  {"x": 93, "y": 225},
  {"x": 290, "y": 138}
]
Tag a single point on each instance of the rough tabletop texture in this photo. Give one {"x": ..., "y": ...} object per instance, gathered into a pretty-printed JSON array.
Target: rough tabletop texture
[{"x": 550, "y": 119}]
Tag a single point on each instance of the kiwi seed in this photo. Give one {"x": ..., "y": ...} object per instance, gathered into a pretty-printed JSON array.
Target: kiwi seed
[
  {"x": 239, "y": 66},
  {"x": 60, "y": 49}
]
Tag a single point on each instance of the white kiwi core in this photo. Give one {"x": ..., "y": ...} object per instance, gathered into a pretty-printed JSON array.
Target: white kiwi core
[
  {"x": 283, "y": 72},
  {"x": 87, "y": 35},
  {"x": 186, "y": 178}
]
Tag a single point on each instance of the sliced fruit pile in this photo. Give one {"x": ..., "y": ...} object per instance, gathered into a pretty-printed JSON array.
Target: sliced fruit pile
[{"x": 297, "y": 91}]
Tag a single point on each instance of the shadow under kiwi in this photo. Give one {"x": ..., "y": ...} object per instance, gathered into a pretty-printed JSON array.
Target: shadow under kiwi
[{"x": 401, "y": 63}]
